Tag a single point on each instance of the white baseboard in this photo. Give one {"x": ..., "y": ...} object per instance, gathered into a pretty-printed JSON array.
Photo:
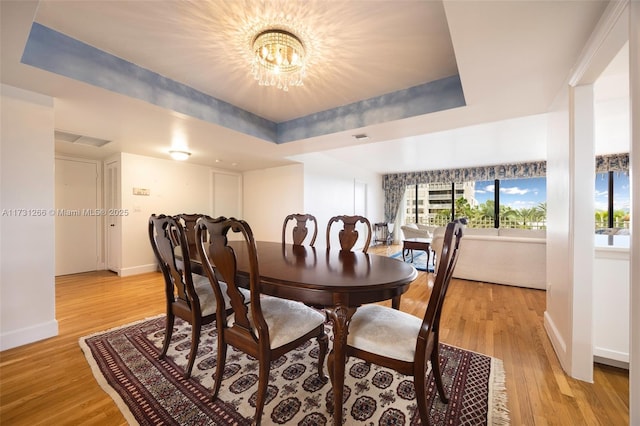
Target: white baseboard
[
  {"x": 135, "y": 270},
  {"x": 558, "y": 343},
  {"x": 611, "y": 362},
  {"x": 23, "y": 336},
  {"x": 611, "y": 354}
]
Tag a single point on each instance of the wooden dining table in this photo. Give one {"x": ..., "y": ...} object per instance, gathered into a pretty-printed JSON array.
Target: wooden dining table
[{"x": 338, "y": 280}]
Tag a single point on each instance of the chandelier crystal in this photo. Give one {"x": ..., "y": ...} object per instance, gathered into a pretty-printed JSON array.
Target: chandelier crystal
[{"x": 278, "y": 59}]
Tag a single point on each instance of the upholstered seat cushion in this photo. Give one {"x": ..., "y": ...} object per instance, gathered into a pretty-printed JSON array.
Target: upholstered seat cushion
[
  {"x": 288, "y": 320},
  {"x": 208, "y": 297},
  {"x": 384, "y": 331},
  {"x": 417, "y": 231}
]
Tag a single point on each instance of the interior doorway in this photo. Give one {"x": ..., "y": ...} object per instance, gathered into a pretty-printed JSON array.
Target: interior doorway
[
  {"x": 113, "y": 225},
  {"x": 77, "y": 215}
]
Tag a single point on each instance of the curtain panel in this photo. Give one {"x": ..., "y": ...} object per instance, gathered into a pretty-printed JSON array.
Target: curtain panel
[{"x": 395, "y": 184}]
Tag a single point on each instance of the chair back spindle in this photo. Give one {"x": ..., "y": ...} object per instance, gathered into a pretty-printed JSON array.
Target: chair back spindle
[
  {"x": 348, "y": 235},
  {"x": 301, "y": 228}
]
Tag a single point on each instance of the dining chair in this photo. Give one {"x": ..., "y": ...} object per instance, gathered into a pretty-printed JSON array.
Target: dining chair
[
  {"x": 266, "y": 328},
  {"x": 189, "y": 296},
  {"x": 299, "y": 233},
  {"x": 348, "y": 235},
  {"x": 188, "y": 221},
  {"x": 301, "y": 228},
  {"x": 403, "y": 342}
]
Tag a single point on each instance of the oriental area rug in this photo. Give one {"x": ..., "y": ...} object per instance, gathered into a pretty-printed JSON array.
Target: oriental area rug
[{"x": 150, "y": 391}]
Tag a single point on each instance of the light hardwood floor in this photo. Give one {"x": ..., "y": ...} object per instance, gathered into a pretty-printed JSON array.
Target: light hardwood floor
[{"x": 50, "y": 382}]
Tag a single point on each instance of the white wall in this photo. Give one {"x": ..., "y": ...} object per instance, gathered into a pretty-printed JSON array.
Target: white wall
[
  {"x": 582, "y": 146},
  {"x": 269, "y": 195},
  {"x": 175, "y": 187},
  {"x": 227, "y": 194},
  {"x": 27, "y": 285},
  {"x": 329, "y": 189},
  {"x": 322, "y": 187},
  {"x": 634, "y": 302},
  {"x": 570, "y": 199},
  {"x": 559, "y": 265}
]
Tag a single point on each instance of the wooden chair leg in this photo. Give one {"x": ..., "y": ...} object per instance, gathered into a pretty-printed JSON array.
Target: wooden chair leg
[
  {"x": 323, "y": 342},
  {"x": 435, "y": 367},
  {"x": 221, "y": 361},
  {"x": 168, "y": 332},
  {"x": 195, "y": 340},
  {"x": 330, "y": 366},
  {"x": 263, "y": 382},
  {"x": 420, "y": 385}
]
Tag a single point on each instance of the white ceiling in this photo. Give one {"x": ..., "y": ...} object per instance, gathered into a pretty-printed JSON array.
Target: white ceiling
[{"x": 512, "y": 57}]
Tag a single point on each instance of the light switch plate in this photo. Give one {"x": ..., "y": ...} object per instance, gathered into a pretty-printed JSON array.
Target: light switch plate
[{"x": 141, "y": 191}]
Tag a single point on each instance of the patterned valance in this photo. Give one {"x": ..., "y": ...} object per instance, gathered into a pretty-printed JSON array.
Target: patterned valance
[
  {"x": 604, "y": 163},
  {"x": 394, "y": 184},
  {"x": 612, "y": 163},
  {"x": 500, "y": 171}
]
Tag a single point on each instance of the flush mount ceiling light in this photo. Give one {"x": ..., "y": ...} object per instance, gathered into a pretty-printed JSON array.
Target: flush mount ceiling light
[
  {"x": 179, "y": 155},
  {"x": 278, "y": 59}
]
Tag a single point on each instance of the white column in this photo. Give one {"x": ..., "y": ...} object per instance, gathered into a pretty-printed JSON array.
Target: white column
[
  {"x": 582, "y": 165},
  {"x": 634, "y": 95}
]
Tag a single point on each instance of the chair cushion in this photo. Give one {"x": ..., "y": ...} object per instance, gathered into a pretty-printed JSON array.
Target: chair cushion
[
  {"x": 384, "y": 331},
  {"x": 205, "y": 294},
  {"x": 428, "y": 228},
  {"x": 207, "y": 297},
  {"x": 288, "y": 320}
]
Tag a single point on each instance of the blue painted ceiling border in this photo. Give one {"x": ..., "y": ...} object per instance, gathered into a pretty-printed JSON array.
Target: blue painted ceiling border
[
  {"x": 53, "y": 51},
  {"x": 426, "y": 98}
]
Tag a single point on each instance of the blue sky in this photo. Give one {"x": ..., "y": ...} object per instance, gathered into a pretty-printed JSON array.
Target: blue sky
[
  {"x": 528, "y": 193},
  {"x": 515, "y": 193},
  {"x": 621, "y": 191}
]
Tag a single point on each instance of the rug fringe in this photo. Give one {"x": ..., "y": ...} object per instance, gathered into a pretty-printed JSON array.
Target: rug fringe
[
  {"x": 499, "y": 415},
  {"x": 97, "y": 373},
  {"x": 118, "y": 327}
]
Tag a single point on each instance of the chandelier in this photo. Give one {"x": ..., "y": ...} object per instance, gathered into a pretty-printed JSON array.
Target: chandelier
[{"x": 278, "y": 59}]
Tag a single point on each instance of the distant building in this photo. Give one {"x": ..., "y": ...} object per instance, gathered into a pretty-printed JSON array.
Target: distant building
[{"x": 433, "y": 198}]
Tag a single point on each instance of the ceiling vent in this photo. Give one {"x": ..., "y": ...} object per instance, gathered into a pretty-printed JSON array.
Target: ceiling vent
[{"x": 79, "y": 139}]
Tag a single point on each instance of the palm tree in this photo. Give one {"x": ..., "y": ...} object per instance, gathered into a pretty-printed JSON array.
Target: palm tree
[
  {"x": 508, "y": 214},
  {"x": 487, "y": 210},
  {"x": 618, "y": 218},
  {"x": 463, "y": 208},
  {"x": 527, "y": 216},
  {"x": 540, "y": 215},
  {"x": 601, "y": 218}
]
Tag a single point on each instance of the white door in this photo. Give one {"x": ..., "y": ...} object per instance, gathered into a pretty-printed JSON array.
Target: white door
[
  {"x": 77, "y": 216},
  {"x": 112, "y": 171},
  {"x": 360, "y": 199}
]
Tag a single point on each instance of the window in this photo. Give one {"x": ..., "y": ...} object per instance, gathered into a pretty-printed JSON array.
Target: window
[
  {"x": 521, "y": 203},
  {"x": 612, "y": 202}
]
